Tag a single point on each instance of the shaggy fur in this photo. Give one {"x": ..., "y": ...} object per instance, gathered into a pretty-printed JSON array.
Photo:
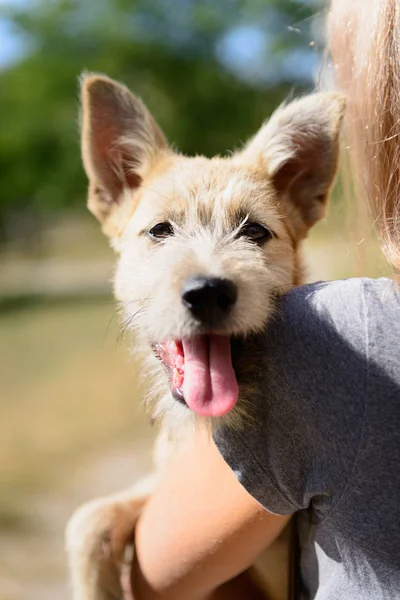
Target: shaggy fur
[{"x": 281, "y": 180}]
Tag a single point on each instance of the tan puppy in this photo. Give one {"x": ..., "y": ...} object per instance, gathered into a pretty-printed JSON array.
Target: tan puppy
[{"x": 205, "y": 246}]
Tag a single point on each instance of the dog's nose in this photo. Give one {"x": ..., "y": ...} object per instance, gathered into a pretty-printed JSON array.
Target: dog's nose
[{"x": 209, "y": 299}]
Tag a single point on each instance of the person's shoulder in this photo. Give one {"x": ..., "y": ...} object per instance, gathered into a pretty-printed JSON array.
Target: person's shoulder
[
  {"x": 324, "y": 293},
  {"x": 382, "y": 292},
  {"x": 343, "y": 304},
  {"x": 308, "y": 418},
  {"x": 311, "y": 309}
]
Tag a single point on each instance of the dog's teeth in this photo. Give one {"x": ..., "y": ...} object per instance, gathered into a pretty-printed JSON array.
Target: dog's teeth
[
  {"x": 179, "y": 362},
  {"x": 177, "y": 378}
]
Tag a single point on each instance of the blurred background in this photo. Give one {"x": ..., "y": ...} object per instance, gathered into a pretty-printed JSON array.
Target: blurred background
[{"x": 211, "y": 72}]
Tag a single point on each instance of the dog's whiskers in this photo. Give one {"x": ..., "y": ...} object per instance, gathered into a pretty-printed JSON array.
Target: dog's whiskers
[
  {"x": 117, "y": 312},
  {"x": 129, "y": 324},
  {"x": 123, "y": 305}
]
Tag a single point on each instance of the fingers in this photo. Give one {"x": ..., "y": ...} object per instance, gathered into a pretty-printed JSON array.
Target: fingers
[{"x": 126, "y": 571}]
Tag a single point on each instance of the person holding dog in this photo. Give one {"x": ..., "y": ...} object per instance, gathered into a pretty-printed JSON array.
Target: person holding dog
[{"x": 326, "y": 442}]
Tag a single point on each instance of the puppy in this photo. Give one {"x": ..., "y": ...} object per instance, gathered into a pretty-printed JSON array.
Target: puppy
[{"x": 204, "y": 248}]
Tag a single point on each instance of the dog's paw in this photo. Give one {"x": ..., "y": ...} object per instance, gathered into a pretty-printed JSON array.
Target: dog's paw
[{"x": 96, "y": 537}]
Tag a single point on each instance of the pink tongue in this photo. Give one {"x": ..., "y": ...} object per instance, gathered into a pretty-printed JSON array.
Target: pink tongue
[{"x": 210, "y": 387}]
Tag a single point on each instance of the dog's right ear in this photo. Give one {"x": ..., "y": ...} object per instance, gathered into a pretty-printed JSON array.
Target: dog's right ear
[
  {"x": 298, "y": 150},
  {"x": 120, "y": 143}
]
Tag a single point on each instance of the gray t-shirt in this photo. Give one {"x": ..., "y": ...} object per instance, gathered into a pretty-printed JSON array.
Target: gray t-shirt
[{"x": 326, "y": 441}]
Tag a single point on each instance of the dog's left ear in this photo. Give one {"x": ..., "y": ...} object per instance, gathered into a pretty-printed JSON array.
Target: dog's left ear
[{"x": 298, "y": 151}]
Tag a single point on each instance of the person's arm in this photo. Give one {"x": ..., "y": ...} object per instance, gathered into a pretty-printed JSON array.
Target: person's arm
[{"x": 199, "y": 530}]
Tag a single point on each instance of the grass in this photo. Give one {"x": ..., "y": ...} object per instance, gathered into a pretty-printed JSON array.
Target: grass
[{"x": 67, "y": 389}]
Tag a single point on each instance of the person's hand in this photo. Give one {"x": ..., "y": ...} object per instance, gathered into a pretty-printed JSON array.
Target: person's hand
[{"x": 126, "y": 573}]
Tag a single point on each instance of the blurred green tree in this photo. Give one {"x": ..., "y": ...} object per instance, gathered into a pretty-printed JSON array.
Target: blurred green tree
[{"x": 209, "y": 71}]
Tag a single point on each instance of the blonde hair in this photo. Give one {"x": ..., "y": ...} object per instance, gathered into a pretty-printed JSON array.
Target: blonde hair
[{"x": 364, "y": 41}]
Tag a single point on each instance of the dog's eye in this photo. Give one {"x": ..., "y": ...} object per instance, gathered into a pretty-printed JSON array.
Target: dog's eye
[
  {"x": 255, "y": 232},
  {"x": 161, "y": 231}
]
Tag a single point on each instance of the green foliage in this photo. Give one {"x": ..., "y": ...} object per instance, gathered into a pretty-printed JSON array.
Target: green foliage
[{"x": 166, "y": 51}]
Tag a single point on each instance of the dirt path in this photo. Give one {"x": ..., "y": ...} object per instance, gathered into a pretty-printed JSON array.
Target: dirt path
[{"x": 33, "y": 566}]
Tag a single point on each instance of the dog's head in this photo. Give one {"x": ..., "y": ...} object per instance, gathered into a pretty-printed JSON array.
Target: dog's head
[{"x": 204, "y": 245}]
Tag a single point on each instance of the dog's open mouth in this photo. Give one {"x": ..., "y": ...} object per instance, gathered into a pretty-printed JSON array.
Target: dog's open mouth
[{"x": 201, "y": 372}]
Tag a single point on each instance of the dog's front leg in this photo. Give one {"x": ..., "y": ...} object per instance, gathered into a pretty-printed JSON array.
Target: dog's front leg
[{"x": 96, "y": 538}]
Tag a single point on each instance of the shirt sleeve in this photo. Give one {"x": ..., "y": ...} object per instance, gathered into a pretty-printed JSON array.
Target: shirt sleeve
[{"x": 300, "y": 449}]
